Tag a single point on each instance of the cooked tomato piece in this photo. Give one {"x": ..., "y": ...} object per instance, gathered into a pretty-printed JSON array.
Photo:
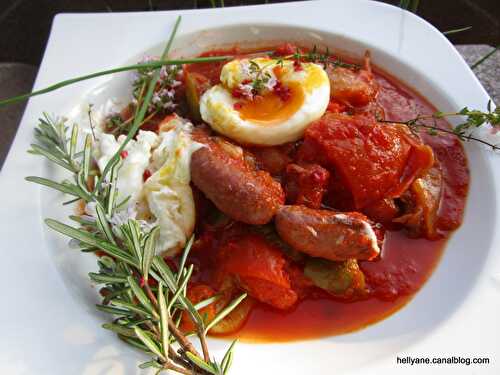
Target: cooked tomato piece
[
  {"x": 301, "y": 284},
  {"x": 335, "y": 106},
  {"x": 211, "y": 70},
  {"x": 373, "y": 160},
  {"x": 338, "y": 195},
  {"x": 355, "y": 88},
  {"x": 259, "y": 268},
  {"x": 382, "y": 211},
  {"x": 306, "y": 184}
]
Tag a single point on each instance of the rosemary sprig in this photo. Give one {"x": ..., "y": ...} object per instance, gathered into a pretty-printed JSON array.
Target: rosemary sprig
[
  {"x": 144, "y": 296},
  {"x": 473, "y": 120},
  {"x": 141, "y": 319}
]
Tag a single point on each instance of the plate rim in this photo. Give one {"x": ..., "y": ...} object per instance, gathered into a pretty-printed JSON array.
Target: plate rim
[{"x": 11, "y": 168}]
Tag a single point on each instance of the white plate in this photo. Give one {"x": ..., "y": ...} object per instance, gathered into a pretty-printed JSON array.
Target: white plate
[{"x": 49, "y": 325}]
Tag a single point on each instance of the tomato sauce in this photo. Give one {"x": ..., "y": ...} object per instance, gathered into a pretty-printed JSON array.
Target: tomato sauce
[
  {"x": 394, "y": 278},
  {"x": 404, "y": 267}
]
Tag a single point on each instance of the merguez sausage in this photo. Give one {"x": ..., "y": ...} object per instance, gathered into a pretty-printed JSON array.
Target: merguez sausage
[
  {"x": 327, "y": 234},
  {"x": 233, "y": 185}
]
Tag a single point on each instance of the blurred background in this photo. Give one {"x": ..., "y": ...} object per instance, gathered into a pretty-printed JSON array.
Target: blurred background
[
  {"x": 25, "y": 44},
  {"x": 25, "y": 26}
]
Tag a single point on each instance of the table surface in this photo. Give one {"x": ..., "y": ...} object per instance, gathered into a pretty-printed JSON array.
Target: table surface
[{"x": 16, "y": 79}]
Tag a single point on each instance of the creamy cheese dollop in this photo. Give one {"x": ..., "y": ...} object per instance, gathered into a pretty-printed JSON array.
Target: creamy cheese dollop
[
  {"x": 135, "y": 160},
  {"x": 165, "y": 198},
  {"x": 167, "y": 191}
]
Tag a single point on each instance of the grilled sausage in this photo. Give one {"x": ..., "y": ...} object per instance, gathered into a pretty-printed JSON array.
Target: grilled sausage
[
  {"x": 327, "y": 234},
  {"x": 240, "y": 191}
]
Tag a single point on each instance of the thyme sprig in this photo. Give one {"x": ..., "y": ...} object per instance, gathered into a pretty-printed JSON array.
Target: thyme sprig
[
  {"x": 324, "y": 58},
  {"x": 164, "y": 93},
  {"x": 145, "y": 297},
  {"x": 261, "y": 76},
  {"x": 464, "y": 131}
]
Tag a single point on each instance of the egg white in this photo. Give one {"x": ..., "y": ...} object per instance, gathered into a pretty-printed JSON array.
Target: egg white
[{"x": 217, "y": 103}]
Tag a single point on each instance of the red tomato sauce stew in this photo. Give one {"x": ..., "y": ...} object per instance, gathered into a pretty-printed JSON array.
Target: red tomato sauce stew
[{"x": 337, "y": 230}]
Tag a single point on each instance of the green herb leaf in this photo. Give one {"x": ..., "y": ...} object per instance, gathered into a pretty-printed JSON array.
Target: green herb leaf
[
  {"x": 114, "y": 311},
  {"x": 200, "y": 363},
  {"x": 149, "y": 364},
  {"x": 185, "y": 254},
  {"x": 228, "y": 358},
  {"x": 64, "y": 188},
  {"x": 102, "y": 223},
  {"x": 90, "y": 239},
  {"x": 149, "y": 342},
  {"x": 124, "y": 331},
  {"x": 221, "y": 315},
  {"x": 106, "y": 279},
  {"x": 455, "y": 31},
  {"x": 141, "y": 296},
  {"x": 134, "y": 309},
  {"x": 50, "y": 155},
  {"x": 74, "y": 139},
  {"x": 164, "y": 318},
  {"x": 149, "y": 251},
  {"x": 182, "y": 287}
]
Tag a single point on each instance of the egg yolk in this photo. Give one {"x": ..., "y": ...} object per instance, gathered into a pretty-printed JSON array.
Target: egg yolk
[{"x": 271, "y": 109}]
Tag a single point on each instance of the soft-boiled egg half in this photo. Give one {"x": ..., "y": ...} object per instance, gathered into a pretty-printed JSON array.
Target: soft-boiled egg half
[{"x": 266, "y": 101}]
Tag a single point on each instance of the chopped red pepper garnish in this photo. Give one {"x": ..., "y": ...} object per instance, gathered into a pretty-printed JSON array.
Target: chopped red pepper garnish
[
  {"x": 282, "y": 91},
  {"x": 123, "y": 154},
  {"x": 297, "y": 66},
  {"x": 238, "y": 93},
  {"x": 237, "y": 106},
  {"x": 142, "y": 282}
]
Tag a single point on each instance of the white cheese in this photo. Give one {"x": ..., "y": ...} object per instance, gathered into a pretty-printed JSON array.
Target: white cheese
[
  {"x": 134, "y": 162},
  {"x": 167, "y": 191}
]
